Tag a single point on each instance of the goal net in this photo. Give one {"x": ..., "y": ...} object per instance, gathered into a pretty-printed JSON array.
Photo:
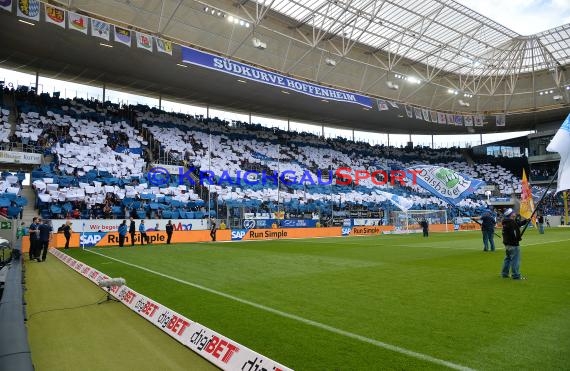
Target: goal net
[{"x": 409, "y": 221}]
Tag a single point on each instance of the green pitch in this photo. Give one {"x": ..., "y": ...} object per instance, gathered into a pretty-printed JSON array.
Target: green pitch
[{"x": 362, "y": 303}]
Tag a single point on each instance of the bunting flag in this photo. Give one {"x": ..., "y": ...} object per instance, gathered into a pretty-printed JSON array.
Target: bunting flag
[
  {"x": 527, "y": 203},
  {"x": 425, "y": 113},
  {"x": 144, "y": 41},
  {"x": 393, "y": 104},
  {"x": 433, "y": 116},
  {"x": 100, "y": 29},
  {"x": 468, "y": 119},
  {"x": 77, "y": 22},
  {"x": 450, "y": 119},
  {"x": 500, "y": 120},
  {"x": 6, "y": 5},
  {"x": 444, "y": 183},
  {"x": 441, "y": 118},
  {"x": 409, "y": 111},
  {"x": 400, "y": 202},
  {"x": 123, "y": 36},
  {"x": 478, "y": 120},
  {"x": 163, "y": 46},
  {"x": 561, "y": 144},
  {"x": 458, "y": 120},
  {"x": 55, "y": 15},
  {"x": 29, "y": 9},
  {"x": 418, "y": 113},
  {"x": 382, "y": 105}
]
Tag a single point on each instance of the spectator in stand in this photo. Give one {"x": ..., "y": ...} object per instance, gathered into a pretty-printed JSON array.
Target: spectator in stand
[
  {"x": 132, "y": 231},
  {"x": 488, "y": 229},
  {"x": 169, "y": 231},
  {"x": 76, "y": 214},
  {"x": 122, "y": 233}
]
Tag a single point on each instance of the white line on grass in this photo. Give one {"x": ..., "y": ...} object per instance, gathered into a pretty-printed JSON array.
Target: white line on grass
[{"x": 380, "y": 344}]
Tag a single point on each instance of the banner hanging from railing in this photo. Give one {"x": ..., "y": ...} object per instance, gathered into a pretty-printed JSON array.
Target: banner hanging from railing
[{"x": 214, "y": 62}]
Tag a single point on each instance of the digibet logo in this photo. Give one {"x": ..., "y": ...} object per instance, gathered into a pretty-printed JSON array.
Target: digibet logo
[
  {"x": 256, "y": 365},
  {"x": 212, "y": 344},
  {"x": 238, "y": 234}
]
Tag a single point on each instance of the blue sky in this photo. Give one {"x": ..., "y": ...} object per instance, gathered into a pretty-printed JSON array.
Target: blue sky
[{"x": 526, "y": 17}]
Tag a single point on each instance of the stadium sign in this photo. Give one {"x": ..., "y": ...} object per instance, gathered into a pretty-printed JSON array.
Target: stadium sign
[
  {"x": 112, "y": 225},
  {"x": 20, "y": 157},
  {"x": 245, "y": 71}
]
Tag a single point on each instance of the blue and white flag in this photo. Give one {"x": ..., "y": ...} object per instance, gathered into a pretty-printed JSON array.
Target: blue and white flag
[
  {"x": 6, "y": 5},
  {"x": 100, "y": 29},
  {"x": 561, "y": 144},
  {"x": 402, "y": 203},
  {"x": 29, "y": 9},
  {"x": 444, "y": 183}
]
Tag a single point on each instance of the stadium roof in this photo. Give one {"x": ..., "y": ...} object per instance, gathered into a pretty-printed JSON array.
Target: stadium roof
[
  {"x": 443, "y": 34},
  {"x": 440, "y": 55}
]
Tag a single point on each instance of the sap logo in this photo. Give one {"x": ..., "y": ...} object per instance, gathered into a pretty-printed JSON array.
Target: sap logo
[
  {"x": 238, "y": 234},
  {"x": 90, "y": 239},
  {"x": 345, "y": 231},
  {"x": 249, "y": 223}
]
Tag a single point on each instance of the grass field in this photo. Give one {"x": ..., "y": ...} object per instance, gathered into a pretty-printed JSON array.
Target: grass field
[{"x": 367, "y": 303}]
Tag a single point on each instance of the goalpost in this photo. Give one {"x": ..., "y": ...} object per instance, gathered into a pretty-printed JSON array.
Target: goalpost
[{"x": 409, "y": 221}]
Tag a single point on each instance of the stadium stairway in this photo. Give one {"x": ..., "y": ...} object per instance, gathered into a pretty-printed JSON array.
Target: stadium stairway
[
  {"x": 466, "y": 154},
  {"x": 29, "y": 209}
]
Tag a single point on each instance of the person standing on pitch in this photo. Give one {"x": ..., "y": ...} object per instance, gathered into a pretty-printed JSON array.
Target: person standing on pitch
[
  {"x": 488, "y": 229},
  {"x": 45, "y": 236},
  {"x": 425, "y": 227},
  {"x": 169, "y": 230},
  {"x": 122, "y": 233},
  {"x": 132, "y": 231},
  {"x": 34, "y": 238},
  {"x": 142, "y": 229},
  {"x": 540, "y": 222},
  {"x": 511, "y": 239},
  {"x": 67, "y": 233},
  {"x": 213, "y": 229}
]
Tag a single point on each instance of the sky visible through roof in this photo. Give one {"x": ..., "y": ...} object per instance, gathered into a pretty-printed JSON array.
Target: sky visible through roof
[{"x": 526, "y": 17}]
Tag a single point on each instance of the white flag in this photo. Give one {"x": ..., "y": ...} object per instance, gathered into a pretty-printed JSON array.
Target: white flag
[
  {"x": 144, "y": 41},
  {"x": 561, "y": 144},
  {"x": 77, "y": 22},
  {"x": 55, "y": 15}
]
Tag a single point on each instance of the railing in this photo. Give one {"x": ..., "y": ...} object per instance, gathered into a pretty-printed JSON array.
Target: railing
[{"x": 14, "y": 349}]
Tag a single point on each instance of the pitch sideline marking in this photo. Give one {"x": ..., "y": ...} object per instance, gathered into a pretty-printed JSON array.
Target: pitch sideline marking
[{"x": 380, "y": 344}]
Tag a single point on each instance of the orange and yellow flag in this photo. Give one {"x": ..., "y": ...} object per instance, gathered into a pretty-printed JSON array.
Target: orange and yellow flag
[{"x": 527, "y": 203}]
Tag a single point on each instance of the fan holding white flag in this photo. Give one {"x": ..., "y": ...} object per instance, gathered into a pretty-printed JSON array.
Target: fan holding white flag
[{"x": 561, "y": 144}]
